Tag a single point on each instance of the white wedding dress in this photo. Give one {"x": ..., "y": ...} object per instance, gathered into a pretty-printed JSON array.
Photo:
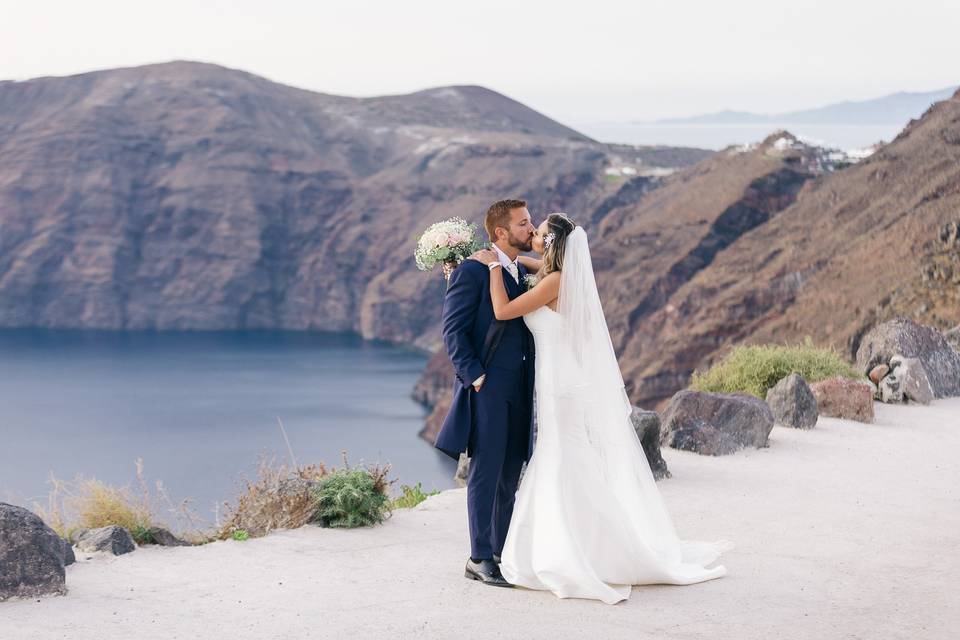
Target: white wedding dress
[{"x": 588, "y": 520}]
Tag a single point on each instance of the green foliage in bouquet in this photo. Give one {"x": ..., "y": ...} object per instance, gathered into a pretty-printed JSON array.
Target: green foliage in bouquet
[
  {"x": 754, "y": 369},
  {"x": 351, "y": 498}
]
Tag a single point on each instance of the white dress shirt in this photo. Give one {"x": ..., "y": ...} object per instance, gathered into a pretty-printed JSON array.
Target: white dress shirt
[
  {"x": 511, "y": 267},
  {"x": 508, "y": 264}
]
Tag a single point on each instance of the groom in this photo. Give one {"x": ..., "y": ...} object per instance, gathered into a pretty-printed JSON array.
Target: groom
[{"x": 491, "y": 414}]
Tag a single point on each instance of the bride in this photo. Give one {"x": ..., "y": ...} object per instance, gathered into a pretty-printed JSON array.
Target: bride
[{"x": 588, "y": 521}]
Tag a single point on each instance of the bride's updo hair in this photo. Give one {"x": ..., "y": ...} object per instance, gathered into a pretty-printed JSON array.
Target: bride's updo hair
[{"x": 560, "y": 226}]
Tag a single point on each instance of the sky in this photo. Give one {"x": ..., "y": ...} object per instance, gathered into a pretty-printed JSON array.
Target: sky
[{"x": 574, "y": 61}]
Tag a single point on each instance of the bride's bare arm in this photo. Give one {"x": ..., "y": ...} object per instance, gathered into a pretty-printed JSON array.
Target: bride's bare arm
[
  {"x": 545, "y": 292},
  {"x": 506, "y": 309},
  {"x": 531, "y": 264}
]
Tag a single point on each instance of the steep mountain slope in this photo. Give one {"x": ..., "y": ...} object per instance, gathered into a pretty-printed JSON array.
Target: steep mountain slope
[
  {"x": 190, "y": 196},
  {"x": 855, "y": 247}
]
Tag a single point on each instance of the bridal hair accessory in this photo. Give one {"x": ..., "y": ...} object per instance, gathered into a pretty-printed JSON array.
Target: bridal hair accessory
[{"x": 548, "y": 240}]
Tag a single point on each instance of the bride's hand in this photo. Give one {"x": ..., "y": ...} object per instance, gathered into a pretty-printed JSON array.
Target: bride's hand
[{"x": 485, "y": 256}]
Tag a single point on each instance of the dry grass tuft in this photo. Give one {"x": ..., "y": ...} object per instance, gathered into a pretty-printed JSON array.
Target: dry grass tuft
[
  {"x": 88, "y": 503},
  {"x": 283, "y": 497},
  {"x": 280, "y": 498}
]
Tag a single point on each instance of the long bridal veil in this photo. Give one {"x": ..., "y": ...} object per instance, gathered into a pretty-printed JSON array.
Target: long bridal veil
[{"x": 588, "y": 389}]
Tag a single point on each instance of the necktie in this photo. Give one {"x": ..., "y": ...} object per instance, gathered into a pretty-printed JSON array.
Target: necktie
[{"x": 512, "y": 268}]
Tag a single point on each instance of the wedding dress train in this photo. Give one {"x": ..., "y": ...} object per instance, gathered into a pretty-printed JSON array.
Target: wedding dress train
[{"x": 588, "y": 520}]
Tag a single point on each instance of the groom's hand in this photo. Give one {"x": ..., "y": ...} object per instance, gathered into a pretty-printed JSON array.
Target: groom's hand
[{"x": 479, "y": 382}]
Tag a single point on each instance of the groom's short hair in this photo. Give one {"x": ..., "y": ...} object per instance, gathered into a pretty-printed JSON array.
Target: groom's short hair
[{"x": 498, "y": 215}]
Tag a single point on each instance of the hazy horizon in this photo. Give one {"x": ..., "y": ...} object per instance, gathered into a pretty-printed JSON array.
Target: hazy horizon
[{"x": 624, "y": 62}]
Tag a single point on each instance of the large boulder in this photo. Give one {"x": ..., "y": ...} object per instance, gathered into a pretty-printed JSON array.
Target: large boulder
[
  {"x": 793, "y": 403},
  {"x": 906, "y": 338},
  {"x": 111, "y": 539},
  {"x": 716, "y": 423},
  {"x": 31, "y": 555},
  {"x": 844, "y": 398},
  {"x": 647, "y": 425}
]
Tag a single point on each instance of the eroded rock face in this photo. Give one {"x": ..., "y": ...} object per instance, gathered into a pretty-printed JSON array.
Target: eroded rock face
[
  {"x": 31, "y": 555},
  {"x": 434, "y": 420},
  {"x": 111, "y": 539},
  {"x": 904, "y": 337},
  {"x": 844, "y": 398},
  {"x": 647, "y": 426},
  {"x": 793, "y": 403},
  {"x": 953, "y": 337},
  {"x": 190, "y": 196},
  {"x": 716, "y": 423},
  {"x": 436, "y": 379}
]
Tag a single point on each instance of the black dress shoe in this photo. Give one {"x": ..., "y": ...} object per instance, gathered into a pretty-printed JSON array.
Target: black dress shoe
[{"x": 487, "y": 572}]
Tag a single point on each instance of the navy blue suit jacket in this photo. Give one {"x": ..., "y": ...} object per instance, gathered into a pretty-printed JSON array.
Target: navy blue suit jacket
[{"x": 467, "y": 319}]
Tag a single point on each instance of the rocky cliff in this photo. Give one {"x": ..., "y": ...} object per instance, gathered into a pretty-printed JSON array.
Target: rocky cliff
[
  {"x": 777, "y": 249},
  {"x": 190, "y": 196}
]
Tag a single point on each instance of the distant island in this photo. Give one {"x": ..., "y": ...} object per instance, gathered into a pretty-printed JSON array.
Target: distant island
[{"x": 897, "y": 107}]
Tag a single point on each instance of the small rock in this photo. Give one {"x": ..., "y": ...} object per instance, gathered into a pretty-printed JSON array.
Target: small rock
[
  {"x": 914, "y": 381},
  {"x": 31, "y": 555},
  {"x": 647, "y": 426},
  {"x": 76, "y": 534},
  {"x": 112, "y": 539},
  {"x": 877, "y": 373},
  {"x": 793, "y": 403},
  {"x": 68, "y": 556},
  {"x": 890, "y": 390},
  {"x": 716, "y": 423},
  {"x": 844, "y": 398},
  {"x": 164, "y": 538}
]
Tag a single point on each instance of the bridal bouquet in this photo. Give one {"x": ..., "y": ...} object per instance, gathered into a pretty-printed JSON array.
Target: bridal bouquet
[{"x": 448, "y": 242}]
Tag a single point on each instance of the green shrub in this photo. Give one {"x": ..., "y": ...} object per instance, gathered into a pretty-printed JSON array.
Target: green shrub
[
  {"x": 412, "y": 496},
  {"x": 351, "y": 498},
  {"x": 240, "y": 535},
  {"x": 278, "y": 499},
  {"x": 754, "y": 369}
]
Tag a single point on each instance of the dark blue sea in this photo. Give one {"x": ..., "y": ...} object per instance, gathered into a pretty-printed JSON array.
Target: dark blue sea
[{"x": 201, "y": 408}]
